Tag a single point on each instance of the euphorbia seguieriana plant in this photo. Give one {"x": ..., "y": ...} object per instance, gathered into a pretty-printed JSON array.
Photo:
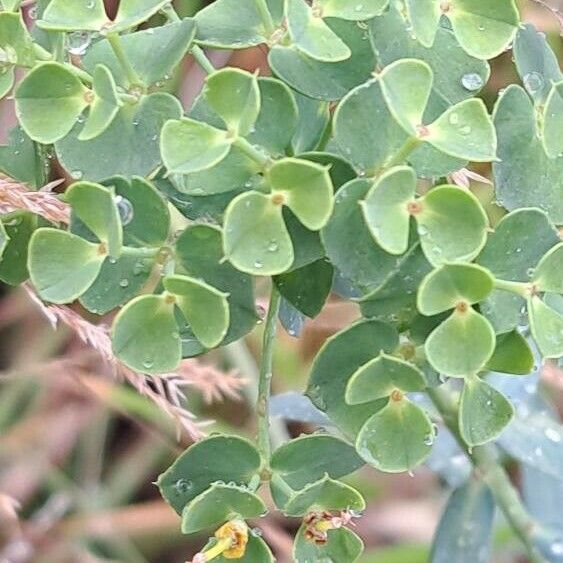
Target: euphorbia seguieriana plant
[{"x": 332, "y": 175}]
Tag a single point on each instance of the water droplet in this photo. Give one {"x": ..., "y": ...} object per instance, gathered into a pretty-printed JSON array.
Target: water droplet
[
  {"x": 553, "y": 435},
  {"x": 273, "y": 246},
  {"x": 429, "y": 439},
  {"x": 533, "y": 82},
  {"x": 32, "y": 13},
  {"x": 182, "y": 486},
  {"x": 78, "y": 42},
  {"x": 465, "y": 130},
  {"x": 256, "y": 532},
  {"x": 258, "y": 265},
  {"x": 530, "y": 272},
  {"x": 125, "y": 209},
  {"x": 472, "y": 81},
  {"x": 77, "y": 174},
  {"x": 124, "y": 283},
  {"x": 557, "y": 547},
  {"x": 454, "y": 118},
  {"x": 147, "y": 364},
  {"x": 359, "y": 7}
]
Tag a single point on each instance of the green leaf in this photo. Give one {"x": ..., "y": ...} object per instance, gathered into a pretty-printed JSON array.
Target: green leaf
[
  {"x": 349, "y": 243},
  {"x": 62, "y": 266},
  {"x": 191, "y": 146},
  {"x": 145, "y": 335},
  {"x": 397, "y": 438},
  {"x": 307, "y": 288},
  {"x": 7, "y": 79},
  {"x": 386, "y": 208},
  {"x": 424, "y": 16},
  {"x": 48, "y": 102},
  {"x": 306, "y": 188},
  {"x": 553, "y": 122},
  {"x": 536, "y": 62},
  {"x": 512, "y": 355},
  {"x": 311, "y": 35},
  {"x": 62, "y": 15},
  {"x": 143, "y": 212},
  {"x": 256, "y": 240},
  {"x": 365, "y": 131},
  {"x": 342, "y": 545},
  {"x": 13, "y": 265},
  {"x": 215, "y": 458},
  {"x": 206, "y": 309},
  {"x": 118, "y": 282},
  {"x": 457, "y": 75},
  {"x": 219, "y": 504},
  {"x": 379, "y": 377},
  {"x": 199, "y": 252},
  {"x": 128, "y": 147},
  {"x": 133, "y": 12},
  {"x": 548, "y": 275},
  {"x": 335, "y": 364},
  {"x": 394, "y": 300},
  {"x": 314, "y": 117},
  {"x": 466, "y": 526},
  {"x": 15, "y": 41},
  {"x": 328, "y": 455},
  {"x": 452, "y": 225},
  {"x": 277, "y": 106},
  {"x": 547, "y": 328},
  {"x": 465, "y": 131},
  {"x": 406, "y": 86},
  {"x": 324, "y": 494},
  {"x": 322, "y": 80},
  {"x": 153, "y": 53},
  {"x": 484, "y": 30},
  {"x": 525, "y": 175},
  {"x": 349, "y": 11},
  {"x": 95, "y": 206},
  {"x": 105, "y": 106},
  {"x": 484, "y": 412},
  {"x": 447, "y": 286},
  {"x": 239, "y": 110},
  {"x": 462, "y": 344},
  {"x": 230, "y": 24},
  {"x": 257, "y": 551}
]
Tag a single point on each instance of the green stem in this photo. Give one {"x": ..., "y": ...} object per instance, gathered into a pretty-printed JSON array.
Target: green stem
[
  {"x": 170, "y": 13},
  {"x": 253, "y": 153},
  {"x": 130, "y": 73},
  {"x": 485, "y": 459},
  {"x": 264, "y": 383},
  {"x": 202, "y": 60},
  {"x": 265, "y": 16},
  {"x": 400, "y": 158},
  {"x": 520, "y": 288}
]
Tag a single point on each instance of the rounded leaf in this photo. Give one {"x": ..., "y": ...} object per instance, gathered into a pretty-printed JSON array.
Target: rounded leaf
[
  {"x": 62, "y": 15},
  {"x": 145, "y": 335},
  {"x": 206, "y": 309},
  {"x": 62, "y": 266},
  {"x": 324, "y": 494},
  {"x": 256, "y": 240},
  {"x": 553, "y": 122},
  {"x": 512, "y": 355},
  {"x": 234, "y": 96},
  {"x": 447, "y": 286},
  {"x": 462, "y": 344},
  {"x": 547, "y": 327},
  {"x": 48, "y": 102},
  {"x": 484, "y": 412},
  {"x": 220, "y": 503},
  {"x": 215, "y": 458},
  {"x": 397, "y": 438},
  {"x": 306, "y": 188},
  {"x": 342, "y": 545},
  {"x": 386, "y": 208},
  {"x": 548, "y": 276},
  {"x": 352, "y": 11},
  {"x": 379, "y": 377},
  {"x": 310, "y": 34},
  {"x": 96, "y": 207},
  {"x": 452, "y": 225},
  {"x": 190, "y": 146}
]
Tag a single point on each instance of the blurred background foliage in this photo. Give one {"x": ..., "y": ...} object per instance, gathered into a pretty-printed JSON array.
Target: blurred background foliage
[{"x": 80, "y": 450}]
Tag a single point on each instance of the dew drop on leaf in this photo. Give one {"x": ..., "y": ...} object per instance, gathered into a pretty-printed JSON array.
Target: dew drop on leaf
[
  {"x": 472, "y": 81},
  {"x": 533, "y": 82},
  {"x": 125, "y": 209},
  {"x": 78, "y": 42}
]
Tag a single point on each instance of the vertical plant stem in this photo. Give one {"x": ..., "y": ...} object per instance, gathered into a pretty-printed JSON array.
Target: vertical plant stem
[
  {"x": 202, "y": 60},
  {"x": 130, "y": 73},
  {"x": 264, "y": 383},
  {"x": 400, "y": 158},
  {"x": 265, "y": 16},
  {"x": 485, "y": 460}
]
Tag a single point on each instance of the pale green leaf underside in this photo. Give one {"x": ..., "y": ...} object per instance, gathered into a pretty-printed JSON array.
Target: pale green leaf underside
[{"x": 548, "y": 275}]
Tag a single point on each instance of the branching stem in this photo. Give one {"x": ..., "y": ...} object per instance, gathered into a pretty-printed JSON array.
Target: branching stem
[
  {"x": 264, "y": 383},
  {"x": 485, "y": 460},
  {"x": 130, "y": 72}
]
